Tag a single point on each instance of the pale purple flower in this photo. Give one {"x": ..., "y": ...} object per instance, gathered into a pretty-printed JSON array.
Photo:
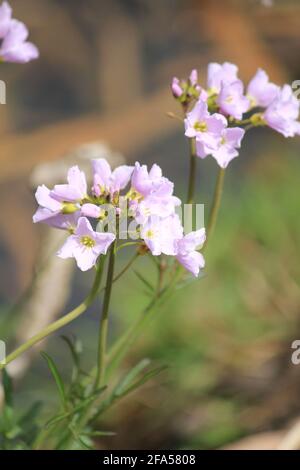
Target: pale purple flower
[
  {"x": 231, "y": 99},
  {"x": 5, "y": 19},
  {"x": 282, "y": 114},
  {"x": 160, "y": 234},
  {"x": 107, "y": 181},
  {"x": 15, "y": 47},
  {"x": 151, "y": 193},
  {"x": 86, "y": 245},
  {"x": 206, "y": 127},
  {"x": 218, "y": 74},
  {"x": 186, "y": 252},
  {"x": 54, "y": 213},
  {"x": 229, "y": 143},
  {"x": 261, "y": 91},
  {"x": 75, "y": 190}
]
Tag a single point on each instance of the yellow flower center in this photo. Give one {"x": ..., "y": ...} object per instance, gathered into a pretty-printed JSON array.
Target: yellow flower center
[
  {"x": 150, "y": 234},
  {"x": 229, "y": 99},
  {"x": 87, "y": 241},
  {"x": 200, "y": 126}
]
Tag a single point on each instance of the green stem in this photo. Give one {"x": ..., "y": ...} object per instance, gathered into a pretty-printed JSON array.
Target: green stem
[
  {"x": 104, "y": 320},
  {"x": 216, "y": 203},
  {"x": 193, "y": 168},
  {"x": 126, "y": 267},
  {"x": 124, "y": 343},
  {"x": 61, "y": 322}
]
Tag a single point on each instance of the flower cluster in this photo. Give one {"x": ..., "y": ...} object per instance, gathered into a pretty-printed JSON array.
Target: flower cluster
[
  {"x": 218, "y": 116},
  {"x": 150, "y": 207},
  {"x": 13, "y": 35}
]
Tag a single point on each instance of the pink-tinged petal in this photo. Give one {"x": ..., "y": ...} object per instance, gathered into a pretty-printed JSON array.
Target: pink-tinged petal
[
  {"x": 193, "y": 77},
  {"x": 77, "y": 179},
  {"x": 224, "y": 155},
  {"x": 140, "y": 179},
  {"x": 192, "y": 262},
  {"x": 232, "y": 100},
  {"x": 155, "y": 172},
  {"x": 176, "y": 88},
  {"x": 191, "y": 241},
  {"x": 103, "y": 242},
  {"x": 44, "y": 199},
  {"x": 90, "y": 210},
  {"x": 260, "y": 90},
  {"x": 216, "y": 123},
  {"x": 121, "y": 177},
  {"x": 22, "y": 54},
  {"x": 85, "y": 257},
  {"x": 65, "y": 192},
  {"x": 5, "y": 19},
  {"x": 68, "y": 248},
  {"x": 234, "y": 136},
  {"x": 218, "y": 74},
  {"x": 102, "y": 169},
  {"x": 201, "y": 150},
  {"x": 84, "y": 228}
]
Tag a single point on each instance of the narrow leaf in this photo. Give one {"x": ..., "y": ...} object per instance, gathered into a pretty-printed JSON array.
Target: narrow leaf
[
  {"x": 129, "y": 378},
  {"x": 57, "y": 378}
]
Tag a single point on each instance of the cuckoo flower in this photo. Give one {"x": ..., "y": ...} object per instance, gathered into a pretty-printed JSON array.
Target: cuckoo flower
[
  {"x": 151, "y": 193},
  {"x": 206, "y": 127},
  {"x": 186, "y": 252},
  {"x": 218, "y": 74},
  {"x": 108, "y": 182},
  {"x": 15, "y": 47},
  {"x": 232, "y": 101},
  {"x": 86, "y": 245},
  {"x": 160, "y": 234},
  {"x": 75, "y": 190},
  {"x": 52, "y": 212},
  {"x": 229, "y": 143},
  {"x": 282, "y": 114},
  {"x": 260, "y": 91}
]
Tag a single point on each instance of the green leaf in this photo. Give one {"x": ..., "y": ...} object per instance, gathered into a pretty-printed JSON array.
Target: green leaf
[
  {"x": 144, "y": 281},
  {"x": 149, "y": 375},
  {"x": 99, "y": 433},
  {"x": 129, "y": 378},
  {"x": 56, "y": 419},
  {"x": 57, "y": 378},
  {"x": 75, "y": 349},
  {"x": 8, "y": 388}
]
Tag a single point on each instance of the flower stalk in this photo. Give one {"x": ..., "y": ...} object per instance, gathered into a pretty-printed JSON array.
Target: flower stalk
[{"x": 103, "y": 331}]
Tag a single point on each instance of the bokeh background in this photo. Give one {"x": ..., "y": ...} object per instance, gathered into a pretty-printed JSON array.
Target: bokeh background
[{"x": 101, "y": 86}]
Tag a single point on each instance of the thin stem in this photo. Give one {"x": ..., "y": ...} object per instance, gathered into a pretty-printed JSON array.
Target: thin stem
[
  {"x": 126, "y": 267},
  {"x": 127, "y": 244},
  {"x": 193, "y": 168},
  {"x": 59, "y": 323},
  {"x": 216, "y": 203},
  {"x": 124, "y": 343},
  {"x": 104, "y": 321}
]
